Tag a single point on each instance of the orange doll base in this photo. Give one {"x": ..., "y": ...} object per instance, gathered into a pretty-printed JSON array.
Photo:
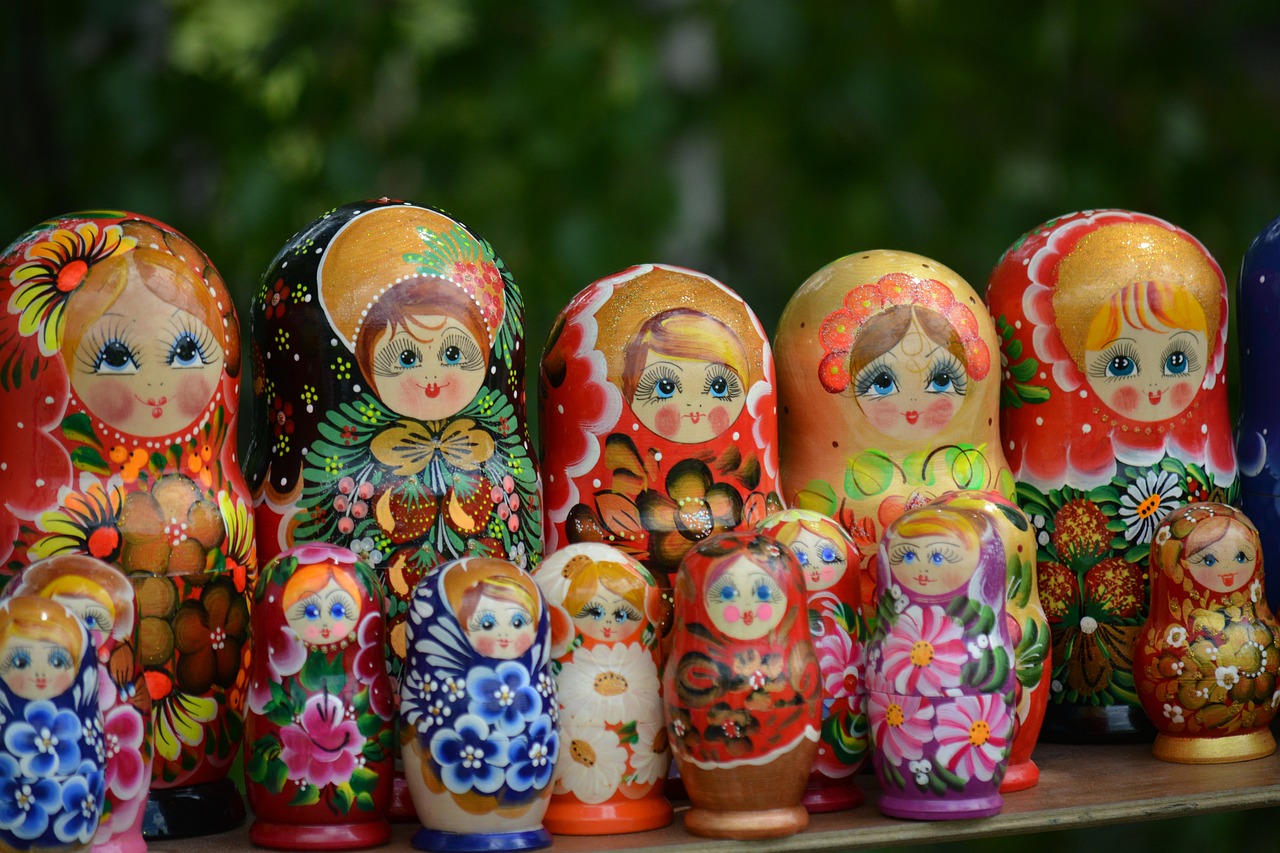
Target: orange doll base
[
  {"x": 1020, "y": 777},
  {"x": 567, "y": 815},
  {"x": 1214, "y": 750}
]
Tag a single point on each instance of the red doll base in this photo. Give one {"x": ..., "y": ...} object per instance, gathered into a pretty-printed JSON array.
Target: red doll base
[
  {"x": 1214, "y": 750},
  {"x": 1020, "y": 777},
  {"x": 401, "y": 809},
  {"x": 334, "y": 836},
  {"x": 568, "y": 816},
  {"x": 824, "y": 794}
]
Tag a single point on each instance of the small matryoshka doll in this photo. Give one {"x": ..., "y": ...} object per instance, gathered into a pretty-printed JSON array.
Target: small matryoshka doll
[
  {"x": 319, "y": 737},
  {"x": 615, "y": 752},
  {"x": 104, "y": 599},
  {"x": 1207, "y": 657},
  {"x": 1258, "y": 433},
  {"x": 940, "y": 667},
  {"x": 52, "y": 780},
  {"x": 658, "y": 416},
  {"x": 1114, "y": 412},
  {"x": 124, "y": 353},
  {"x": 888, "y": 394},
  {"x": 478, "y": 708},
  {"x": 389, "y": 345},
  {"x": 742, "y": 688},
  {"x": 829, "y": 559}
]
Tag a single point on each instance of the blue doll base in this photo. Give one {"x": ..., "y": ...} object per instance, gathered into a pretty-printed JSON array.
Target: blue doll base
[{"x": 458, "y": 842}]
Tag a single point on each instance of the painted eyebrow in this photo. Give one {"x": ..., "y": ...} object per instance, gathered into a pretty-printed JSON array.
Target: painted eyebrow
[{"x": 672, "y": 365}]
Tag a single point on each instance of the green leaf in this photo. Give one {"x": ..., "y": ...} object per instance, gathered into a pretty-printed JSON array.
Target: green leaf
[
  {"x": 343, "y": 797},
  {"x": 870, "y": 473},
  {"x": 1024, "y": 371},
  {"x": 370, "y": 724},
  {"x": 364, "y": 780},
  {"x": 307, "y": 795},
  {"x": 79, "y": 427},
  {"x": 89, "y": 459}
]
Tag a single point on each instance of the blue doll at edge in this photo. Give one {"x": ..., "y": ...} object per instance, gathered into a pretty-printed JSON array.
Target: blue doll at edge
[
  {"x": 479, "y": 708},
  {"x": 52, "y": 780}
]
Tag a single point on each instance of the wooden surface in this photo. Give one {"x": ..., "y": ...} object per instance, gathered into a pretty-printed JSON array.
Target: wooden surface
[{"x": 1080, "y": 786}]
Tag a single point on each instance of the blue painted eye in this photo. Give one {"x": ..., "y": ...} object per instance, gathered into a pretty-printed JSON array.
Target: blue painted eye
[
  {"x": 729, "y": 593},
  {"x": 519, "y": 620},
  {"x": 488, "y": 622},
  {"x": 1121, "y": 365},
  {"x": 936, "y": 558},
  {"x": 312, "y": 612},
  {"x": 408, "y": 358},
  {"x": 829, "y": 555},
  {"x": 664, "y": 389},
  {"x": 1210, "y": 560},
  {"x": 186, "y": 352},
  {"x": 621, "y": 616},
  {"x": 1176, "y": 364},
  {"x": 338, "y": 611},
  {"x": 940, "y": 383},
  {"x": 883, "y": 384},
  {"x": 802, "y": 557},
  {"x": 115, "y": 356},
  {"x": 909, "y": 557},
  {"x": 60, "y": 658},
  {"x": 719, "y": 387},
  {"x": 1241, "y": 557},
  {"x": 763, "y": 592},
  {"x": 451, "y": 355}
]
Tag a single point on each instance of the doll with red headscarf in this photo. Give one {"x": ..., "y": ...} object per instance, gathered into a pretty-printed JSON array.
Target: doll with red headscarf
[{"x": 1114, "y": 413}]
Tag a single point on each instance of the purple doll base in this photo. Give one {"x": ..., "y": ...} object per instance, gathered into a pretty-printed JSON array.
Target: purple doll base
[
  {"x": 480, "y": 842},
  {"x": 914, "y": 808}
]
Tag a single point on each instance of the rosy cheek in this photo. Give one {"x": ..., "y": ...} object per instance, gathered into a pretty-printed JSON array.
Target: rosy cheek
[
  {"x": 828, "y": 573},
  {"x": 882, "y": 417},
  {"x": 764, "y": 612},
  {"x": 485, "y": 645},
  {"x": 113, "y": 402},
  {"x": 719, "y": 419},
  {"x": 667, "y": 421},
  {"x": 1125, "y": 400},
  {"x": 193, "y": 395},
  {"x": 938, "y": 413},
  {"x": 732, "y": 614},
  {"x": 1182, "y": 392}
]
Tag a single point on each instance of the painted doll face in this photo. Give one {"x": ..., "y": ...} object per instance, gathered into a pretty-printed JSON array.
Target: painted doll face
[
  {"x": 1148, "y": 374},
  {"x": 1226, "y": 565},
  {"x": 745, "y": 602},
  {"x": 687, "y": 399},
  {"x": 429, "y": 371},
  {"x": 822, "y": 560},
  {"x": 500, "y": 629},
  {"x": 935, "y": 564},
  {"x": 608, "y": 616},
  {"x": 146, "y": 367},
  {"x": 914, "y": 389},
  {"x": 36, "y": 669},
  {"x": 325, "y": 617},
  {"x": 97, "y": 619}
]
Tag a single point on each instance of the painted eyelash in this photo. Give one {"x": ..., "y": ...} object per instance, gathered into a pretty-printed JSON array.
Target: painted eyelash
[
  {"x": 948, "y": 554},
  {"x": 1098, "y": 369},
  {"x": 348, "y": 604},
  {"x": 101, "y": 618},
  {"x": 868, "y": 375},
  {"x": 733, "y": 385},
  {"x": 1193, "y": 363},
  {"x": 836, "y": 559},
  {"x": 387, "y": 360},
  {"x": 722, "y": 582},
  {"x": 775, "y": 591},
  {"x": 477, "y": 620},
  {"x": 60, "y": 658},
  {"x": 198, "y": 334},
  {"x": 897, "y": 554},
  {"x": 299, "y": 610},
  {"x": 93, "y": 350},
  {"x": 951, "y": 366},
  {"x": 632, "y": 613},
  {"x": 472, "y": 358},
  {"x": 21, "y": 654},
  {"x": 650, "y": 378}
]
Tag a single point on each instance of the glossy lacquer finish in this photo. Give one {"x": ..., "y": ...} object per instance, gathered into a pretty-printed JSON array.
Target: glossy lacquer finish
[
  {"x": 1208, "y": 653},
  {"x": 888, "y": 388},
  {"x": 614, "y": 752},
  {"x": 940, "y": 666},
  {"x": 658, "y": 415},
  {"x": 122, "y": 366},
  {"x": 1114, "y": 410},
  {"x": 104, "y": 600},
  {"x": 319, "y": 734},
  {"x": 1258, "y": 433},
  {"x": 742, "y": 688}
]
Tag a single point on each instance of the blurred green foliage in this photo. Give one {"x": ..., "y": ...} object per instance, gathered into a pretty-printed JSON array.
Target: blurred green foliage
[{"x": 755, "y": 140}]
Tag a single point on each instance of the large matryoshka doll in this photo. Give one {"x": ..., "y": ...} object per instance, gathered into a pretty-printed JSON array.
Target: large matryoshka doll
[
  {"x": 888, "y": 394},
  {"x": 1114, "y": 412},
  {"x": 1028, "y": 625},
  {"x": 104, "y": 600},
  {"x": 319, "y": 739},
  {"x": 742, "y": 688},
  {"x": 615, "y": 752},
  {"x": 1208, "y": 654},
  {"x": 658, "y": 416},
  {"x": 1258, "y": 433},
  {"x": 478, "y": 708},
  {"x": 940, "y": 667},
  {"x": 52, "y": 779},
  {"x": 829, "y": 559},
  {"x": 389, "y": 345},
  {"x": 123, "y": 382}
]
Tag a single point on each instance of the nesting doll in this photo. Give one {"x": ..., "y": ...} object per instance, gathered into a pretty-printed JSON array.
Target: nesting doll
[
  {"x": 1209, "y": 651},
  {"x": 319, "y": 739},
  {"x": 1258, "y": 433},
  {"x": 1114, "y": 409},
  {"x": 658, "y": 417},
  {"x": 1028, "y": 626},
  {"x": 940, "y": 667},
  {"x": 828, "y": 559},
  {"x": 104, "y": 600},
  {"x": 389, "y": 345},
  {"x": 888, "y": 393},
  {"x": 742, "y": 688},
  {"x": 52, "y": 779},
  {"x": 478, "y": 708},
  {"x": 123, "y": 373}
]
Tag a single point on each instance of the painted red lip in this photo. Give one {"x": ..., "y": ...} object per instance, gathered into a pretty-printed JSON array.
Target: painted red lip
[
  {"x": 1228, "y": 579},
  {"x": 42, "y": 683},
  {"x": 431, "y": 390},
  {"x": 748, "y": 617},
  {"x": 911, "y": 417},
  {"x": 324, "y": 632},
  {"x": 608, "y": 632},
  {"x": 1154, "y": 397},
  {"x": 815, "y": 576},
  {"x": 504, "y": 643},
  {"x": 694, "y": 416},
  {"x": 923, "y": 580}
]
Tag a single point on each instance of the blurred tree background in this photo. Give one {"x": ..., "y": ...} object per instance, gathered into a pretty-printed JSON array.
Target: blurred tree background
[{"x": 755, "y": 140}]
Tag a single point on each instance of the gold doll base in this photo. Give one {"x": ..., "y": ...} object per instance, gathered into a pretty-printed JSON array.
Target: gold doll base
[
  {"x": 1214, "y": 750},
  {"x": 746, "y": 825}
]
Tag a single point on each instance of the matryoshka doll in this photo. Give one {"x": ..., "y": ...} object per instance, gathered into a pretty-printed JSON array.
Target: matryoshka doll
[
  {"x": 1258, "y": 432},
  {"x": 1114, "y": 413},
  {"x": 104, "y": 600},
  {"x": 828, "y": 559},
  {"x": 478, "y": 708},
  {"x": 888, "y": 394},
  {"x": 614, "y": 750},
  {"x": 1208, "y": 654},
  {"x": 1028, "y": 626},
  {"x": 940, "y": 667},
  {"x": 658, "y": 417},
  {"x": 742, "y": 688},
  {"x": 319, "y": 738},
  {"x": 124, "y": 362},
  {"x": 52, "y": 779},
  {"x": 389, "y": 342}
]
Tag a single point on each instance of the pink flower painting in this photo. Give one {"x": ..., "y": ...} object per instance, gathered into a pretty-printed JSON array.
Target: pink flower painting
[
  {"x": 924, "y": 654},
  {"x": 973, "y": 734},
  {"x": 900, "y": 726},
  {"x": 323, "y": 747}
]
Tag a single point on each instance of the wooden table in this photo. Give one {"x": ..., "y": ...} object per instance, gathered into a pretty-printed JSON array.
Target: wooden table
[{"x": 1080, "y": 786}]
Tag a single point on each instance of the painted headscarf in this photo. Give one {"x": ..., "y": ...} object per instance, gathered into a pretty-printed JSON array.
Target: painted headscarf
[{"x": 614, "y": 478}]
